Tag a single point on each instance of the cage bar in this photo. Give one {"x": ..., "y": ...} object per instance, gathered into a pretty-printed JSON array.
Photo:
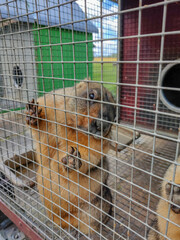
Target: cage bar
[{"x": 89, "y": 118}]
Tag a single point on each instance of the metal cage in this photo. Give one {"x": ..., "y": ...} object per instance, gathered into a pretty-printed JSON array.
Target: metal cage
[{"x": 104, "y": 79}]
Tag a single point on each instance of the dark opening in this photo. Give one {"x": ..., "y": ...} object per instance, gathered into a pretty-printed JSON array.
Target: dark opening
[
  {"x": 17, "y": 76},
  {"x": 172, "y": 79}
]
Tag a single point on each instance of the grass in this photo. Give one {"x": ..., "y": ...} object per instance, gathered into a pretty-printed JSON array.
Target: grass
[
  {"x": 109, "y": 75},
  {"x": 10, "y": 110}
]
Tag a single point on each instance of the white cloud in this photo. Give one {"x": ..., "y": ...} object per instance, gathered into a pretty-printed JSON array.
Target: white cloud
[
  {"x": 93, "y": 7},
  {"x": 110, "y": 25},
  {"x": 109, "y": 47}
]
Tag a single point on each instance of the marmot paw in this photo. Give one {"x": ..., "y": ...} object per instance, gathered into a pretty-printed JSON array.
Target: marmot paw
[
  {"x": 72, "y": 162},
  {"x": 175, "y": 197},
  {"x": 32, "y": 112}
]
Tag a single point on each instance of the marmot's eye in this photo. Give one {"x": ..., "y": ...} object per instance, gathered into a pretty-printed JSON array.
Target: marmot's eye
[{"x": 91, "y": 95}]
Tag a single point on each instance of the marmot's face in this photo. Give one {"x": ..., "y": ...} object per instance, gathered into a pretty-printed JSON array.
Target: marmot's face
[
  {"x": 175, "y": 197},
  {"x": 98, "y": 104}
]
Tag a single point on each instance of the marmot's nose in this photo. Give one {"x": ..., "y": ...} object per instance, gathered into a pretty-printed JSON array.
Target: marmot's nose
[
  {"x": 105, "y": 125},
  {"x": 98, "y": 125}
]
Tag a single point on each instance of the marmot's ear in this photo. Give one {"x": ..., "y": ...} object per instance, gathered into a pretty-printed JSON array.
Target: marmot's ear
[
  {"x": 89, "y": 78},
  {"x": 110, "y": 96},
  {"x": 112, "y": 99}
]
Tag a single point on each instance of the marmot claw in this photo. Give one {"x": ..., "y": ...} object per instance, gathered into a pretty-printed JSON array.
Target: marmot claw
[
  {"x": 32, "y": 112},
  {"x": 72, "y": 160}
]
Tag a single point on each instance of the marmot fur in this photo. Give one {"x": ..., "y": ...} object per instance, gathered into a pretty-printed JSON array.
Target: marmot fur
[
  {"x": 173, "y": 231},
  {"x": 70, "y": 196}
]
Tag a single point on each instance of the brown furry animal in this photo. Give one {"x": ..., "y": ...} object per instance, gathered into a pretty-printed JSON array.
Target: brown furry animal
[
  {"x": 61, "y": 186},
  {"x": 159, "y": 224}
]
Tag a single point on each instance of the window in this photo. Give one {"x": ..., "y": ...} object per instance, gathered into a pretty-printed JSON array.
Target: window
[{"x": 17, "y": 76}]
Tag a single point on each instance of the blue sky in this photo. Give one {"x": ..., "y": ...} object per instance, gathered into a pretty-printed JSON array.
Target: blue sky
[{"x": 109, "y": 28}]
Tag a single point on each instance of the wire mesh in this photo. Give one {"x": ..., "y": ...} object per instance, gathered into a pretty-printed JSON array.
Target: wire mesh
[{"x": 95, "y": 154}]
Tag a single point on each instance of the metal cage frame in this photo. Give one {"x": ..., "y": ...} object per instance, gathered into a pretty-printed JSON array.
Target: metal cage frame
[{"x": 59, "y": 44}]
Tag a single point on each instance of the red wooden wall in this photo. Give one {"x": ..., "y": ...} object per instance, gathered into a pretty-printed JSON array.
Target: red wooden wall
[{"x": 151, "y": 22}]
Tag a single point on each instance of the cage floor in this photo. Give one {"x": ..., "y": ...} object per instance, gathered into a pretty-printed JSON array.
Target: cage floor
[{"x": 133, "y": 190}]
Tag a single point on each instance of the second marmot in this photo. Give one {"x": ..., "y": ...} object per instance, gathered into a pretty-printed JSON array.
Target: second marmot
[{"x": 160, "y": 222}]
